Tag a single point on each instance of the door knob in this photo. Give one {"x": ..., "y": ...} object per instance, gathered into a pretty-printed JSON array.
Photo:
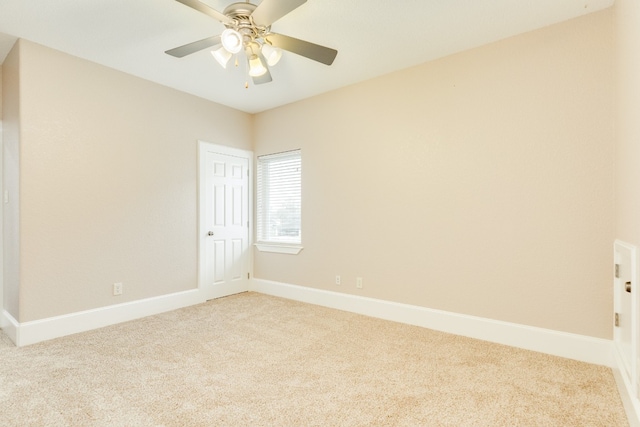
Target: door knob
[
  {"x": 210, "y": 233},
  {"x": 627, "y": 286}
]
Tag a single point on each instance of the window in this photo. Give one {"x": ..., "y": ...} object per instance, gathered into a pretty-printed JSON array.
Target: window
[{"x": 279, "y": 202}]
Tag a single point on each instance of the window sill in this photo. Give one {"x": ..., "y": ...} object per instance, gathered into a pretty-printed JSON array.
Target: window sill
[{"x": 279, "y": 248}]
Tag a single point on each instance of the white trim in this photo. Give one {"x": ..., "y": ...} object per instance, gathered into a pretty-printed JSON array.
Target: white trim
[
  {"x": 10, "y": 326},
  {"x": 618, "y": 291},
  {"x": 627, "y": 386},
  {"x": 3, "y": 321},
  {"x": 279, "y": 248},
  {"x": 54, "y": 327},
  {"x": 631, "y": 405},
  {"x": 573, "y": 346}
]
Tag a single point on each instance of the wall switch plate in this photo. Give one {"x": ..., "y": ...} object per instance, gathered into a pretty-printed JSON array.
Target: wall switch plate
[
  {"x": 117, "y": 288},
  {"x": 359, "y": 283}
]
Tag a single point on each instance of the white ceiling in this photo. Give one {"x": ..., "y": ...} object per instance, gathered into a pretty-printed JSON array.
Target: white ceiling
[{"x": 373, "y": 38}]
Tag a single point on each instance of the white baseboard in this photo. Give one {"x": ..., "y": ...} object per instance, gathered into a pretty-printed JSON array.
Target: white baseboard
[
  {"x": 578, "y": 347},
  {"x": 54, "y": 327},
  {"x": 631, "y": 404},
  {"x": 4, "y": 320},
  {"x": 10, "y": 326}
]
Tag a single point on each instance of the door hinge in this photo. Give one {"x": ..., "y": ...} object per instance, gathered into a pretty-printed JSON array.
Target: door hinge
[
  {"x": 248, "y": 275},
  {"x": 617, "y": 269},
  {"x": 616, "y": 320}
]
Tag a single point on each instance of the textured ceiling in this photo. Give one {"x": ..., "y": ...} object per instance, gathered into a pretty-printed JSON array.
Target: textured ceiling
[{"x": 372, "y": 37}]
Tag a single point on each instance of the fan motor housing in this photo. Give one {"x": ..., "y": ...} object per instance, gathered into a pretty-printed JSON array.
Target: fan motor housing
[
  {"x": 240, "y": 13},
  {"x": 239, "y": 10}
]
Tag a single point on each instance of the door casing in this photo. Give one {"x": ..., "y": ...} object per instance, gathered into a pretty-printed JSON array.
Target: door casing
[{"x": 626, "y": 342}]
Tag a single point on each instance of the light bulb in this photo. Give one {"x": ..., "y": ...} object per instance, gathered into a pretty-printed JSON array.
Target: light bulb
[
  {"x": 256, "y": 67},
  {"x": 231, "y": 40},
  {"x": 271, "y": 54},
  {"x": 222, "y": 55}
]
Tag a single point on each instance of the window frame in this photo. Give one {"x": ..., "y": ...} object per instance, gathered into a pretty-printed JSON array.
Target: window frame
[{"x": 262, "y": 244}]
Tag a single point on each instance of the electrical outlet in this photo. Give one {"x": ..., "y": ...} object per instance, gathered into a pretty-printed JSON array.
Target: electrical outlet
[
  {"x": 117, "y": 289},
  {"x": 359, "y": 283},
  {"x": 338, "y": 280}
]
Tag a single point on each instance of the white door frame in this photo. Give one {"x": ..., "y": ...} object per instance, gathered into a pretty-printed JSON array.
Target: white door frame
[
  {"x": 203, "y": 147},
  {"x": 3, "y": 321},
  {"x": 630, "y": 378}
]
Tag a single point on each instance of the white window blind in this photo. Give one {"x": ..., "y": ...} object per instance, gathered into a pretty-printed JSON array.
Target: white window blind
[{"x": 279, "y": 204}]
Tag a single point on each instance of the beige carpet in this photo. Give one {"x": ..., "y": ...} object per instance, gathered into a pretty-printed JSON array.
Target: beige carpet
[{"x": 255, "y": 360}]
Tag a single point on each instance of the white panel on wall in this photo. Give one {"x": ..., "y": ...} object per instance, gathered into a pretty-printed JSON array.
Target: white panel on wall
[{"x": 625, "y": 330}]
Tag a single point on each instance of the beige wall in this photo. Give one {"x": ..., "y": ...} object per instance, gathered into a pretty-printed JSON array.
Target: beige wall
[
  {"x": 108, "y": 179},
  {"x": 627, "y": 24},
  {"x": 10, "y": 137},
  {"x": 479, "y": 184}
]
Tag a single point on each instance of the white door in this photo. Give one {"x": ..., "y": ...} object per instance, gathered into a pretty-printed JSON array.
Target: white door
[
  {"x": 224, "y": 228},
  {"x": 625, "y": 311}
]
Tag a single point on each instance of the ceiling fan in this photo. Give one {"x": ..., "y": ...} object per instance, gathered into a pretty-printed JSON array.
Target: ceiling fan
[{"x": 248, "y": 29}]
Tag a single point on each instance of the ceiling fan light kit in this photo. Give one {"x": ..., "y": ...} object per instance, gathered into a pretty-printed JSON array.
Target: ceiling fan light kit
[
  {"x": 248, "y": 26},
  {"x": 272, "y": 54},
  {"x": 232, "y": 40},
  {"x": 222, "y": 55},
  {"x": 256, "y": 67}
]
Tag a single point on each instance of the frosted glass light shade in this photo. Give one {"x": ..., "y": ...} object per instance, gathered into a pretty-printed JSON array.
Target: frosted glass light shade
[
  {"x": 222, "y": 55},
  {"x": 256, "y": 67},
  {"x": 271, "y": 54},
  {"x": 231, "y": 40}
]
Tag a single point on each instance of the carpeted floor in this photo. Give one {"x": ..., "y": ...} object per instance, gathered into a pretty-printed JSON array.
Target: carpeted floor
[{"x": 255, "y": 360}]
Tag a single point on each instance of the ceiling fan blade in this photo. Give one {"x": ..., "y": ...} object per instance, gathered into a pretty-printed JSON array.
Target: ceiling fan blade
[
  {"x": 269, "y": 11},
  {"x": 207, "y": 10},
  {"x": 193, "y": 47},
  {"x": 303, "y": 48}
]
